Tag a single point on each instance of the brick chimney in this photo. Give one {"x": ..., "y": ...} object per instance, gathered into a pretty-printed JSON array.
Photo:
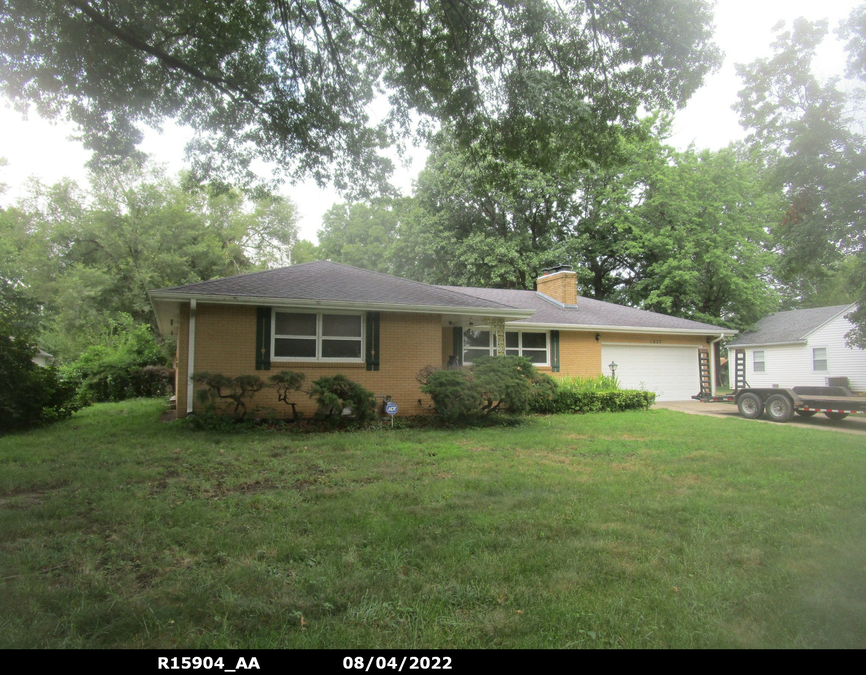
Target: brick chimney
[{"x": 558, "y": 283}]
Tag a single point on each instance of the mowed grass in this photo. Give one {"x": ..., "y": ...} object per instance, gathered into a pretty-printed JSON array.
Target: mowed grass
[{"x": 636, "y": 530}]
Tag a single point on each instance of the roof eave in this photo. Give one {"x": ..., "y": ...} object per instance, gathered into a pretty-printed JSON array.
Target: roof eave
[
  {"x": 767, "y": 344},
  {"x": 712, "y": 330},
  {"x": 505, "y": 313}
]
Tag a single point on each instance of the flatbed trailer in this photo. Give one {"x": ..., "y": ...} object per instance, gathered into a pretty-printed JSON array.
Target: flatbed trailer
[{"x": 781, "y": 404}]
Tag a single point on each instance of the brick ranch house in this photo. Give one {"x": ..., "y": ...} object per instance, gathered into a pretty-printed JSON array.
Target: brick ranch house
[{"x": 323, "y": 318}]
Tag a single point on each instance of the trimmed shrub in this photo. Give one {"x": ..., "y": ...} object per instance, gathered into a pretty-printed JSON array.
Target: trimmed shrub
[
  {"x": 236, "y": 389},
  {"x": 505, "y": 383},
  {"x": 499, "y": 383},
  {"x": 455, "y": 394},
  {"x": 544, "y": 388},
  {"x": 573, "y": 401},
  {"x": 286, "y": 382},
  {"x": 335, "y": 393}
]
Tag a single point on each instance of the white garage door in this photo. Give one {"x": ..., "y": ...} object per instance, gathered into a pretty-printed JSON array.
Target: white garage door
[{"x": 671, "y": 372}]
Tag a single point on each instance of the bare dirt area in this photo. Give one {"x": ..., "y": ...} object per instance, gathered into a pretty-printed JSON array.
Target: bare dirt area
[{"x": 853, "y": 424}]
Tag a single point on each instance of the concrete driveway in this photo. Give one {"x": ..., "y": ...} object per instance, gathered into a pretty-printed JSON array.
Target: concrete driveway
[{"x": 853, "y": 424}]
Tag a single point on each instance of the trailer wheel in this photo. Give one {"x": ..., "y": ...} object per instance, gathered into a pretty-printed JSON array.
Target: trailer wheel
[
  {"x": 779, "y": 408},
  {"x": 835, "y": 416},
  {"x": 750, "y": 406},
  {"x": 806, "y": 413}
]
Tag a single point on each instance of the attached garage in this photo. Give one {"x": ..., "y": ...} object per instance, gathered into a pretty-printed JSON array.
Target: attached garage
[{"x": 671, "y": 372}]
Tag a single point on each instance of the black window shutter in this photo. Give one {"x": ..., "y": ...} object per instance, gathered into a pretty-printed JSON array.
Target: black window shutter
[
  {"x": 263, "y": 338},
  {"x": 372, "y": 356},
  {"x": 554, "y": 351},
  {"x": 457, "y": 339}
]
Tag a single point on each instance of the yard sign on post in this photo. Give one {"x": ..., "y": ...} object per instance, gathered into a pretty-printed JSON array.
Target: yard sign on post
[{"x": 391, "y": 409}]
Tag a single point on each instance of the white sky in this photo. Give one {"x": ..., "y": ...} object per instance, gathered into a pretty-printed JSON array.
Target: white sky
[{"x": 34, "y": 147}]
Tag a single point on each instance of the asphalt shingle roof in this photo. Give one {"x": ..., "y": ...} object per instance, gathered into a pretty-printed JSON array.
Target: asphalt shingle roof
[
  {"x": 792, "y": 326},
  {"x": 329, "y": 281},
  {"x": 589, "y": 312},
  {"x": 325, "y": 280}
]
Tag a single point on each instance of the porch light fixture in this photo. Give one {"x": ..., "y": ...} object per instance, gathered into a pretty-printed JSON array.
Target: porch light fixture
[
  {"x": 597, "y": 337},
  {"x": 612, "y": 367}
]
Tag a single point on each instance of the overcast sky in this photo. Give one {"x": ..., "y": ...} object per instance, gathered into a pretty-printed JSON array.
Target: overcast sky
[{"x": 743, "y": 31}]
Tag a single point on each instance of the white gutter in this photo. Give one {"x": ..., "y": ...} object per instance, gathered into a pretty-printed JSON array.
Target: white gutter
[
  {"x": 510, "y": 313},
  {"x": 713, "y": 364},
  {"x": 190, "y": 358},
  {"x": 714, "y": 330},
  {"x": 743, "y": 345}
]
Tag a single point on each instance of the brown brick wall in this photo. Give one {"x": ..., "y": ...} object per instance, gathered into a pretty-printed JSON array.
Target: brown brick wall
[
  {"x": 560, "y": 286},
  {"x": 580, "y": 354},
  {"x": 447, "y": 345},
  {"x": 225, "y": 343}
]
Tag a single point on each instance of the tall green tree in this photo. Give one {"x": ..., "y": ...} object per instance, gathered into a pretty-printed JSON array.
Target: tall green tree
[
  {"x": 291, "y": 81},
  {"x": 809, "y": 133},
  {"x": 682, "y": 233},
  {"x": 305, "y": 251},
  {"x": 481, "y": 220},
  {"x": 361, "y": 235},
  {"x": 90, "y": 258},
  {"x": 695, "y": 239}
]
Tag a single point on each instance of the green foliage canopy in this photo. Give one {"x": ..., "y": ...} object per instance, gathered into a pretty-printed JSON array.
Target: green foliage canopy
[
  {"x": 291, "y": 82},
  {"x": 809, "y": 133},
  {"x": 89, "y": 258}
]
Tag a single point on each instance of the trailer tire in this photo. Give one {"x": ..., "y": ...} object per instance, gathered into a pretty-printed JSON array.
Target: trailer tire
[
  {"x": 806, "y": 413},
  {"x": 779, "y": 408},
  {"x": 835, "y": 416},
  {"x": 750, "y": 406}
]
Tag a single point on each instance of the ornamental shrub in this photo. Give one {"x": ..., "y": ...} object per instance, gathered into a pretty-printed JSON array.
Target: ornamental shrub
[
  {"x": 499, "y": 383},
  {"x": 236, "y": 389},
  {"x": 454, "y": 392},
  {"x": 286, "y": 382},
  {"x": 505, "y": 382},
  {"x": 335, "y": 393},
  {"x": 574, "y": 401}
]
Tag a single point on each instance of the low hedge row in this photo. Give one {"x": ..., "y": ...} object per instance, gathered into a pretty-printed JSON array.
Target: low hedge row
[{"x": 570, "y": 401}]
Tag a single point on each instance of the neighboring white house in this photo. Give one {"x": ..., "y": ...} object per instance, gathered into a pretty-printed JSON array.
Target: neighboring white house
[
  {"x": 802, "y": 347},
  {"x": 43, "y": 359}
]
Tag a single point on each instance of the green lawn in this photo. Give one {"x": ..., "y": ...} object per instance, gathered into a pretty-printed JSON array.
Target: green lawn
[{"x": 647, "y": 529}]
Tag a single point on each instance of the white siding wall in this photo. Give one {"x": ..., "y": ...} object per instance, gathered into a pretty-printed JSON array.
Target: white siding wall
[{"x": 791, "y": 365}]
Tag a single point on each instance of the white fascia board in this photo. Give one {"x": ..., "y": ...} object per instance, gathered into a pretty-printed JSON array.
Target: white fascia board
[
  {"x": 766, "y": 344},
  {"x": 627, "y": 329},
  {"x": 512, "y": 314}
]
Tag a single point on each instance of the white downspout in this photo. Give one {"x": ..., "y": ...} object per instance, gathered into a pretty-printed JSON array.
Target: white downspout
[
  {"x": 190, "y": 359},
  {"x": 713, "y": 364}
]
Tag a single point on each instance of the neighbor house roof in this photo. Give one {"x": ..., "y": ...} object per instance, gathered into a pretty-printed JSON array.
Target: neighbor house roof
[
  {"x": 790, "y": 327},
  {"x": 589, "y": 313}
]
